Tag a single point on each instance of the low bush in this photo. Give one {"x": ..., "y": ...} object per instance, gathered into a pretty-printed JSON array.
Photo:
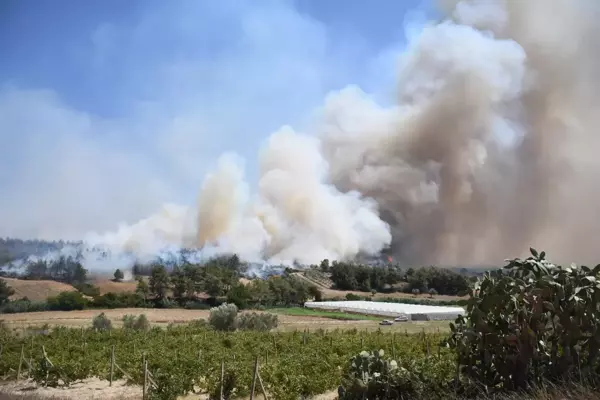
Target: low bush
[
  {"x": 196, "y": 305},
  {"x": 223, "y": 318},
  {"x": 23, "y": 305},
  {"x": 67, "y": 301},
  {"x": 139, "y": 323},
  {"x": 354, "y": 297},
  {"x": 257, "y": 321},
  {"x": 118, "y": 300},
  {"x": 101, "y": 323},
  {"x": 166, "y": 303},
  {"x": 87, "y": 289},
  {"x": 373, "y": 375}
]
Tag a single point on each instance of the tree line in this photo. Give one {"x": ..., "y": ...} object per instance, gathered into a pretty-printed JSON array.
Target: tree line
[
  {"x": 219, "y": 279},
  {"x": 193, "y": 286},
  {"x": 366, "y": 278}
]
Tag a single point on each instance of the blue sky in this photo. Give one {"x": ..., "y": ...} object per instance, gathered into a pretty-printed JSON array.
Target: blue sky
[{"x": 110, "y": 108}]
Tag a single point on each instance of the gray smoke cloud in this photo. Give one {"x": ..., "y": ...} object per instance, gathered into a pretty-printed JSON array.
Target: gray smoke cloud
[{"x": 490, "y": 149}]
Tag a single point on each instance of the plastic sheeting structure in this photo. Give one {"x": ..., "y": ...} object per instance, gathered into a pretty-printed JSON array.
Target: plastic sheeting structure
[{"x": 415, "y": 312}]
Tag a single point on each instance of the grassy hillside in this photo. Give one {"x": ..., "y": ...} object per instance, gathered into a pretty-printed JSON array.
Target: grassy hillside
[{"x": 36, "y": 290}]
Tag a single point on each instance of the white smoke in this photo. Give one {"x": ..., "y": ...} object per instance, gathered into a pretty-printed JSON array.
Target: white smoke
[{"x": 295, "y": 216}]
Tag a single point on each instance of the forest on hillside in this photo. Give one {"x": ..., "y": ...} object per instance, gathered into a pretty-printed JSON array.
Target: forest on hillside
[{"x": 12, "y": 249}]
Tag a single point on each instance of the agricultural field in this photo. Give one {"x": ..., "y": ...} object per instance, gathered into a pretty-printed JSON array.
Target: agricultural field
[
  {"x": 290, "y": 319},
  {"x": 187, "y": 359},
  {"x": 531, "y": 325}
]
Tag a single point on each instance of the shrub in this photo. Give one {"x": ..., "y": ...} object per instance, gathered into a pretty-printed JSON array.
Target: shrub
[
  {"x": 5, "y": 292},
  {"x": 142, "y": 323},
  {"x": 531, "y": 322},
  {"x": 196, "y": 305},
  {"x": 101, "y": 323},
  {"x": 223, "y": 318},
  {"x": 165, "y": 303},
  {"x": 23, "y": 305},
  {"x": 67, "y": 301},
  {"x": 139, "y": 323},
  {"x": 87, "y": 289},
  {"x": 353, "y": 297},
  {"x": 257, "y": 321},
  {"x": 371, "y": 376},
  {"x": 118, "y": 275},
  {"x": 118, "y": 300}
]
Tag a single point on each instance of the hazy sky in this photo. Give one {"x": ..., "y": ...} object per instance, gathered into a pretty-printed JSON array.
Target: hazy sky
[{"x": 110, "y": 108}]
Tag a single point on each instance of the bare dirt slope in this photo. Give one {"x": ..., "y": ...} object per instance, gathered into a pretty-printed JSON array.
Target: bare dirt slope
[{"x": 37, "y": 290}]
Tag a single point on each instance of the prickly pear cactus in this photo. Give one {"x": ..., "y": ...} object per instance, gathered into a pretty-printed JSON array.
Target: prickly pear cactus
[
  {"x": 371, "y": 376},
  {"x": 531, "y": 322}
]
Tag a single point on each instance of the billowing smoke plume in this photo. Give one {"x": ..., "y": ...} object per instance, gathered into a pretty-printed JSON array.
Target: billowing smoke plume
[{"x": 491, "y": 148}]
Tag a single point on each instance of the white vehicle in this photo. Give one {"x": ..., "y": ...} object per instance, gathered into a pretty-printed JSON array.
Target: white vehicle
[
  {"x": 386, "y": 322},
  {"x": 401, "y": 318}
]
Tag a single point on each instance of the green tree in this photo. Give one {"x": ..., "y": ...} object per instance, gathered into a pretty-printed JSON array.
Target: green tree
[
  {"x": 213, "y": 286},
  {"x": 324, "y": 266},
  {"x": 260, "y": 292},
  {"x": 239, "y": 295},
  {"x": 79, "y": 274},
  {"x": 67, "y": 301},
  {"x": 315, "y": 293},
  {"x": 119, "y": 275},
  {"x": 159, "y": 282},
  {"x": 180, "y": 285},
  {"x": 142, "y": 288},
  {"x": 5, "y": 292}
]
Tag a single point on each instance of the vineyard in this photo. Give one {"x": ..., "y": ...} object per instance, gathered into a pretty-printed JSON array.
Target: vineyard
[{"x": 187, "y": 359}]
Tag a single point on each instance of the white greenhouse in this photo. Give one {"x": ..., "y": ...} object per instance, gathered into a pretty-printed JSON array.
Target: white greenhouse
[{"x": 414, "y": 312}]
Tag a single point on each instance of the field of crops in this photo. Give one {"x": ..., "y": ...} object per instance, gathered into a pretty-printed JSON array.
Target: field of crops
[{"x": 187, "y": 359}]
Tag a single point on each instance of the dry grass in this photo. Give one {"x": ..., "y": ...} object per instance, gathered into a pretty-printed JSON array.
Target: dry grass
[
  {"x": 107, "y": 285},
  {"x": 37, "y": 290}
]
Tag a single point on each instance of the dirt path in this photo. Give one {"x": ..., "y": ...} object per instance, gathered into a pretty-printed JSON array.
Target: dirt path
[{"x": 93, "y": 389}]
